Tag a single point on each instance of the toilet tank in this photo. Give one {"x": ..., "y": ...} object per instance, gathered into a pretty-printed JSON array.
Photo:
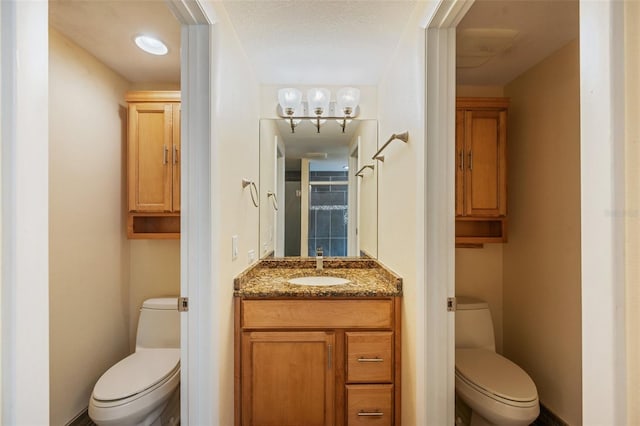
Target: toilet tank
[
  {"x": 159, "y": 324},
  {"x": 474, "y": 327}
]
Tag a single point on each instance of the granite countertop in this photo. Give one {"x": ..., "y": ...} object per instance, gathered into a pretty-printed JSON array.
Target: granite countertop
[{"x": 268, "y": 278}]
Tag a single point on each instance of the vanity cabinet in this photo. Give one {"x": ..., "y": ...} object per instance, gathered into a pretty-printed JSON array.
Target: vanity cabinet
[
  {"x": 317, "y": 361},
  {"x": 288, "y": 378},
  {"x": 153, "y": 164},
  {"x": 481, "y": 170}
]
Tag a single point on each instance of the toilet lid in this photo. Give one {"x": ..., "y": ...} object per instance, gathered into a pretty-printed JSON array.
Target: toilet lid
[
  {"x": 495, "y": 375},
  {"x": 136, "y": 373}
]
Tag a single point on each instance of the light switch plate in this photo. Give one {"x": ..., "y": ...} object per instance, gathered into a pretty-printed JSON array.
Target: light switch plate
[{"x": 234, "y": 247}]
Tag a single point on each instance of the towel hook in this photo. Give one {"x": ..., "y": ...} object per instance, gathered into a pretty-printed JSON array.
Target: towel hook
[
  {"x": 274, "y": 199},
  {"x": 252, "y": 187}
]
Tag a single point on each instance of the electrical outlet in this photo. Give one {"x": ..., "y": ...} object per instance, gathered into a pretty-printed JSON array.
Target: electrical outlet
[{"x": 252, "y": 256}]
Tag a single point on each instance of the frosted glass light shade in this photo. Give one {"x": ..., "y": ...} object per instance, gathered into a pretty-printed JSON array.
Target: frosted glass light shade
[
  {"x": 318, "y": 100},
  {"x": 348, "y": 99},
  {"x": 289, "y": 100}
]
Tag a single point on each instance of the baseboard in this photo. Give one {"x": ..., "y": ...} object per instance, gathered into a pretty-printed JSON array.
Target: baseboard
[
  {"x": 81, "y": 419},
  {"x": 548, "y": 418}
]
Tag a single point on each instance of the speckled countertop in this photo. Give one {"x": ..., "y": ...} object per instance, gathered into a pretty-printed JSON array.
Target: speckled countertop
[{"x": 268, "y": 278}]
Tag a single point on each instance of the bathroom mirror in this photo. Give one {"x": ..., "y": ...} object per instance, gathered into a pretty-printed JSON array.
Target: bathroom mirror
[{"x": 310, "y": 196}]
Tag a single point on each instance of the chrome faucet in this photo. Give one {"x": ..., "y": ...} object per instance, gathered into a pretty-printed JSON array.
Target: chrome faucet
[{"x": 319, "y": 258}]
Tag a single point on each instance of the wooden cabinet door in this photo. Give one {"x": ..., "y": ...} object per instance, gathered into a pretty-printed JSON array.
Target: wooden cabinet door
[
  {"x": 460, "y": 155},
  {"x": 175, "y": 159},
  {"x": 288, "y": 378},
  {"x": 150, "y": 144},
  {"x": 485, "y": 187}
]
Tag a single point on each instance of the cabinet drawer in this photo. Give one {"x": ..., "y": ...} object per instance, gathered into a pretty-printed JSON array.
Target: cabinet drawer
[
  {"x": 369, "y": 357},
  {"x": 300, "y": 314},
  {"x": 369, "y": 405}
]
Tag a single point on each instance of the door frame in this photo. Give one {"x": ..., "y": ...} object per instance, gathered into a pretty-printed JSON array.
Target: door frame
[
  {"x": 604, "y": 371},
  {"x": 439, "y": 211},
  {"x": 199, "y": 401}
]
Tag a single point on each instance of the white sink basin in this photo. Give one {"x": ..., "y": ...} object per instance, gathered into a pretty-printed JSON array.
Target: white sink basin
[{"x": 320, "y": 281}]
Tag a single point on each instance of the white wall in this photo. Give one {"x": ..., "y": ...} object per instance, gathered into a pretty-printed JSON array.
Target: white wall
[
  {"x": 542, "y": 301},
  {"x": 88, "y": 250},
  {"x": 235, "y": 155},
  {"x": 154, "y": 271},
  {"x": 401, "y": 198},
  {"x": 632, "y": 208}
]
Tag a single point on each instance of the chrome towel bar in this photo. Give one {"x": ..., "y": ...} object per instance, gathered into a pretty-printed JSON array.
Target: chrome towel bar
[
  {"x": 404, "y": 137},
  {"x": 362, "y": 169}
]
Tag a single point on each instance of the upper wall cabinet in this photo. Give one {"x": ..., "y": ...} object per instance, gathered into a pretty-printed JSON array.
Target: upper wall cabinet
[
  {"x": 481, "y": 170},
  {"x": 153, "y": 157}
]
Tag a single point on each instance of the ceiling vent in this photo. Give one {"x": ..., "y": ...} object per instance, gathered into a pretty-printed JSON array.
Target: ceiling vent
[{"x": 476, "y": 46}]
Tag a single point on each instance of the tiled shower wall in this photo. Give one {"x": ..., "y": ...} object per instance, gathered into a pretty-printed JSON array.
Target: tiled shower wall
[{"x": 328, "y": 214}]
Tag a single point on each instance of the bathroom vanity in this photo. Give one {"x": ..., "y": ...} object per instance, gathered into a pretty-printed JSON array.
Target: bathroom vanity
[{"x": 313, "y": 354}]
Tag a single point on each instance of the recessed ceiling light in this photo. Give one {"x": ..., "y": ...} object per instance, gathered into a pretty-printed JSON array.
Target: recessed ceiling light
[{"x": 151, "y": 45}]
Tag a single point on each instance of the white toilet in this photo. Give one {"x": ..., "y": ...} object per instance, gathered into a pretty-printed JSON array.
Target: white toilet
[
  {"x": 144, "y": 388},
  {"x": 497, "y": 391}
]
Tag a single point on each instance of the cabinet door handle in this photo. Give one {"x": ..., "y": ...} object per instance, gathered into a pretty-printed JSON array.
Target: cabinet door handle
[
  {"x": 370, "y": 414},
  {"x": 175, "y": 154},
  {"x": 461, "y": 162},
  {"x": 370, "y": 359},
  {"x": 470, "y": 160},
  {"x": 329, "y": 356},
  {"x": 165, "y": 150}
]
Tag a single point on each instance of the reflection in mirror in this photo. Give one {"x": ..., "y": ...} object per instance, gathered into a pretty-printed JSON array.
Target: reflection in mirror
[{"x": 318, "y": 200}]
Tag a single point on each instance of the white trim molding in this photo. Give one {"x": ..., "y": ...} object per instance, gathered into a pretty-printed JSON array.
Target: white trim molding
[
  {"x": 439, "y": 210},
  {"x": 199, "y": 363},
  {"x": 25, "y": 208},
  {"x": 602, "y": 210}
]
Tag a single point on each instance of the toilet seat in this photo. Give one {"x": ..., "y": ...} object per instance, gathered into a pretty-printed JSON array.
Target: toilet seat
[
  {"x": 496, "y": 377},
  {"x": 136, "y": 375}
]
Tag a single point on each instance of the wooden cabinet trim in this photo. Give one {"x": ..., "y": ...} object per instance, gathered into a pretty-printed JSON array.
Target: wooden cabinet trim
[
  {"x": 299, "y": 314},
  {"x": 482, "y": 103},
  {"x": 254, "y": 366},
  {"x": 370, "y": 357},
  {"x": 372, "y": 398},
  {"x": 153, "y": 96}
]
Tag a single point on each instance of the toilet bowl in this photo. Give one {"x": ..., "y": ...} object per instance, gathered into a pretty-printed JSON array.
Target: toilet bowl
[
  {"x": 144, "y": 388},
  {"x": 497, "y": 391}
]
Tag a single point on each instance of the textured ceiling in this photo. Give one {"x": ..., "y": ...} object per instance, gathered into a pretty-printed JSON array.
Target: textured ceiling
[
  {"x": 106, "y": 29},
  {"x": 542, "y": 26},
  {"x": 311, "y": 42},
  {"x": 319, "y": 42}
]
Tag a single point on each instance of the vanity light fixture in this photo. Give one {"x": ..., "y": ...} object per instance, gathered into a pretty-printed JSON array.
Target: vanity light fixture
[
  {"x": 318, "y": 107},
  {"x": 151, "y": 45}
]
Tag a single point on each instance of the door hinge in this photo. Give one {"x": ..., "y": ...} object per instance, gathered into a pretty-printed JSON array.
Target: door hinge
[
  {"x": 451, "y": 304},
  {"x": 183, "y": 304}
]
